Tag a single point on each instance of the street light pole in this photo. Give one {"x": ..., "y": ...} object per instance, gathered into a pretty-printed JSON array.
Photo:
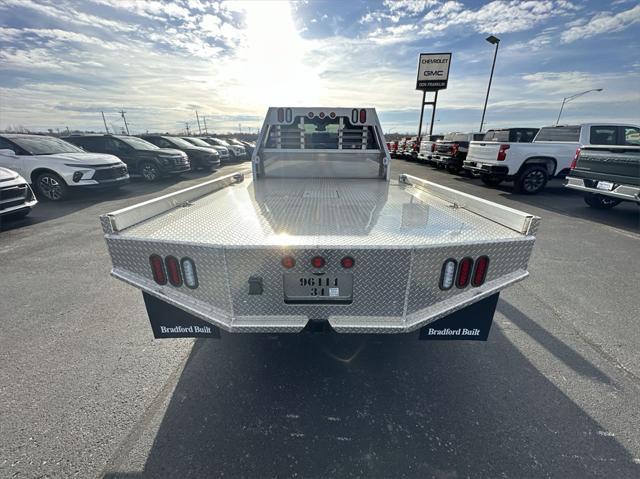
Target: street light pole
[
  {"x": 494, "y": 41},
  {"x": 573, "y": 97}
]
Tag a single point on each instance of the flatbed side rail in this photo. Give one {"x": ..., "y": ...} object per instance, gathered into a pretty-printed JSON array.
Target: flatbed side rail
[
  {"x": 131, "y": 215},
  {"x": 516, "y": 220}
]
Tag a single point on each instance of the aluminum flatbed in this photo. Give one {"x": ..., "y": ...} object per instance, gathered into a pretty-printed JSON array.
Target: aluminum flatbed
[{"x": 278, "y": 250}]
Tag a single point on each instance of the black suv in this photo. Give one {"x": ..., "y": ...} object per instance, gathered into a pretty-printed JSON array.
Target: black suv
[
  {"x": 199, "y": 157},
  {"x": 142, "y": 158}
]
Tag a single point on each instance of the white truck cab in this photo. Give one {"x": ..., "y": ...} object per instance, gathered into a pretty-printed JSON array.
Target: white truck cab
[
  {"x": 531, "y": 165},
  {"x": 320, "y": 237},
  {"x": 53, "y": 166}
]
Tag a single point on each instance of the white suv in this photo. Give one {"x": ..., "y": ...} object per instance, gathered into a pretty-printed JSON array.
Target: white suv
[
  {"x": 16, "y": 198},
  {"x": 54, "y": 166}
]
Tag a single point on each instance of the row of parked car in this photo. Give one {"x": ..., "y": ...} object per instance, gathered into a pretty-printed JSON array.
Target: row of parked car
[
  {"x": 54, "y": 166},
  {"x": 600, "y": 159}
]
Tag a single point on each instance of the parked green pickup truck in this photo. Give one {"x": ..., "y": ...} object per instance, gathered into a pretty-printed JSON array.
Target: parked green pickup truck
[{"x": 607, "y": 174}]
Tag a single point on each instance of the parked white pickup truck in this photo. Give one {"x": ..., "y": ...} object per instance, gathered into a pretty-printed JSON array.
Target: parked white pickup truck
[
  {"x": 531, "y": 165},
  {"x": 320, "y": 237}
]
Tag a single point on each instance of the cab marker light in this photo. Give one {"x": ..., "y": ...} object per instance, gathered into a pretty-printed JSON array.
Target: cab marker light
[
  {"x": 448, "y": 274},
  {"x": 157, "y": 269},
  {"x": 189, "y": 273},
  {"x": 173, "y": 271}
]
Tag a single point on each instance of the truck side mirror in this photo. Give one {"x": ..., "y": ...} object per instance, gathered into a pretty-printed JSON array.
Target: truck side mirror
[{"x": 7, "y": 152}]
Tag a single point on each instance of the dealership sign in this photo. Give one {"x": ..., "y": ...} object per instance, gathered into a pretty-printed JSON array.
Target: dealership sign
[{"x": 433, "y": 71}]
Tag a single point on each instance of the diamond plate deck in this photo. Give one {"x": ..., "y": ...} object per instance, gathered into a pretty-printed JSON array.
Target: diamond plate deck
[{"x": 320, "y": 213}]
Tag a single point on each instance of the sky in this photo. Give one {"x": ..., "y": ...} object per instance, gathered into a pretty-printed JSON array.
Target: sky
[{"x": 62, "y": 62}]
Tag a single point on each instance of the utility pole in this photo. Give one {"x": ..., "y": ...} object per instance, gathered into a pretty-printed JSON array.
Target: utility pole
[
  {"x": 197, "y": 118},
  {"x": 105, "y": 123},
  {"x": 122, "y": 112},
  {"x": 187, "y": 125},
  {"x": 240, "y": 127},
  {"x": 204, "y": 118},
  {"x": 494, "y": 41}
]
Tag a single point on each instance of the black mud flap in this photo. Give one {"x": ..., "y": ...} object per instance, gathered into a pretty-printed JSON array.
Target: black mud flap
[
  {"x": 167, "y": 321},
  {"x": 472, "y": 323}
]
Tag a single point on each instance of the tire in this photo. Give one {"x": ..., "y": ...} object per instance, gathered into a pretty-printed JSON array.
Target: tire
[
  {"x": 491, "y": 180},
  {"x": 532, "y": 179},
  {"x": 454, "y": 170},
  {"x": 149, "y": 171},
  {"x": 601, "y": 202},
  {"x": 50, "y": 186}
]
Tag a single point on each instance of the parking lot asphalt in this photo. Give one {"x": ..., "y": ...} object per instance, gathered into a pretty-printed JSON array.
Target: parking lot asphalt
[{"x": 86, "y": 391}]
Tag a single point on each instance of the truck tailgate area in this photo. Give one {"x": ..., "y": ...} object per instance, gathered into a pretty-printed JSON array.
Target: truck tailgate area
[{"x": 398, "y": 234}]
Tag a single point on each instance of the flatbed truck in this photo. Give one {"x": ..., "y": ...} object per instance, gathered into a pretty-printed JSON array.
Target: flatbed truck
[{"x": 320, "y": 237}]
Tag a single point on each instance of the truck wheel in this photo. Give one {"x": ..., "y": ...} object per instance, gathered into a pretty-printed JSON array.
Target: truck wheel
[
  {"x": 600, "y": 201},
  {"x": 149, "y": 171},
  {"x": 454, "y": 170},
  {"x": 491, "y": 180},
  {"x": 532, "y": 179},
  {"x": 51, "y": 187}
]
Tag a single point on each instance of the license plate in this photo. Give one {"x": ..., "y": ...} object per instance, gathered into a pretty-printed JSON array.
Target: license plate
[
  {"x": 322, "y": 288},
  {"x": 604, "y": 185}
]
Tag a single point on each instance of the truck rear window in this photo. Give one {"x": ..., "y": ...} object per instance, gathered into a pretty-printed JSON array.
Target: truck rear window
[
  {"x": 559, "y": 133},
  {"x": 321, "y": 134}
]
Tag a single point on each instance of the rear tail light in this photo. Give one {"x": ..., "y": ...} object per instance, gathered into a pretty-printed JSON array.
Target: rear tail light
[
  {"x": 464, "y": 272},
  {"x": 317, "y": 262},
  {"x": 280, "y": 115},
  {"x": 363, "y": 116},
  {"x": 454, "y": 149},
  {"x": 189, "y": 273},
  {"x": 448, "y": 274},
  {"x": 433, "y": 147},
  {"x": 480, "y": 271},
  {"x": 502, "y": 152},
  {"x": 575, "y": 159},
  {"x": 321, "y": 115},
  {"x": 157, "y": 269},
  {"x": 173, "y": 270},
  {"x": 347, "y": 262},
  {"x": 288, "y": 262},
  {"x": 416, "y": 147},
  {"x": 354, "y": 116},
  {"x": 310, "y": 114}
]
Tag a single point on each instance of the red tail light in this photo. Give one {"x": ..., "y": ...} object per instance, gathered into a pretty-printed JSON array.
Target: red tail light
[
  {"x": 363, "y": 116},
  {"x": 464, "y": 272},
  {"x": 502, "y": 152},
  {"x": 433, "y": 147},
  {"x": 480, "y": 271},
  {"x": 173, "y": 270},
  {"x": 317, "y": 262},
  {"x": 454, "y": 149},
  {"x": 575, "y": 159},
  {"x": 280, "y": 115},
  {"x": 347, "y": 262},
  {"x": 157, "y": 269},
  {"x": 288, "y": 262}
]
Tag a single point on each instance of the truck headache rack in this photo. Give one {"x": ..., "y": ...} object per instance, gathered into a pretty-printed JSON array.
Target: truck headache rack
[{"x": 356, "y": 250}]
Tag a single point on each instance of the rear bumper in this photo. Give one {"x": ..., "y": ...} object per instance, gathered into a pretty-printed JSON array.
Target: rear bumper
[
  {"x": 621, "y": 192},
  {"x": 486, "y": 168}
]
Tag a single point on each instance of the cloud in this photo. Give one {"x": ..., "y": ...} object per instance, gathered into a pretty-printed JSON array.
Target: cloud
[{"x": 603, "y": 23}]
